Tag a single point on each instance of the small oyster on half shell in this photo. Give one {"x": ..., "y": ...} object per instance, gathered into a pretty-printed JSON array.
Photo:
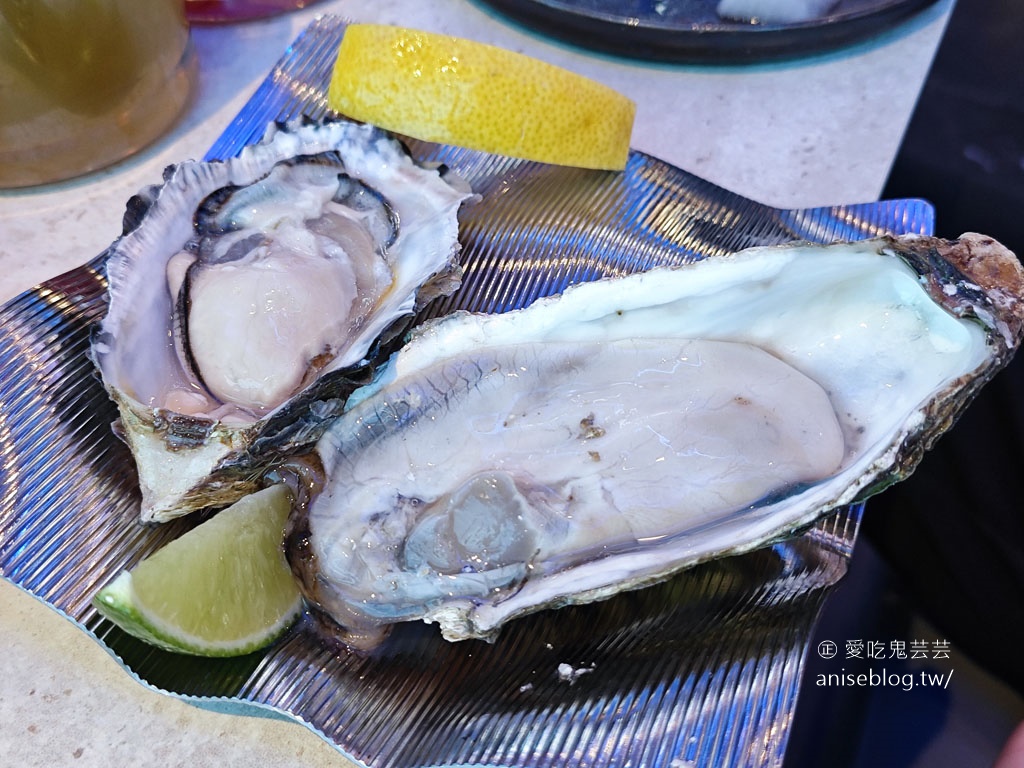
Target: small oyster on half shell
[
  {"x": 244, "y": 292},
  {"x": 606, "y": 438}
]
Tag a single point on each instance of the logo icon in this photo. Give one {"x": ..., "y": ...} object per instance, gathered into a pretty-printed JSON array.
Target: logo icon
[{"x": 827, "y": 649}]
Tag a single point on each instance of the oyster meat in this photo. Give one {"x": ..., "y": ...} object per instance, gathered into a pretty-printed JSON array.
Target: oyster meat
[
  {"x": 606, "y": 438},
  {"x": 244, "y": 293},
  {"x": 775, "y": 11}
]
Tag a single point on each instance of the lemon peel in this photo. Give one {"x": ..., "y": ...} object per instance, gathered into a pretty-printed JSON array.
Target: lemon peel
[{"x": 455, "y": 91}]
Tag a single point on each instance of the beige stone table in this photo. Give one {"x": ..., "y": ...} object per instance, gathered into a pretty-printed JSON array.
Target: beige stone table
[{"x": 811, "y": 131}]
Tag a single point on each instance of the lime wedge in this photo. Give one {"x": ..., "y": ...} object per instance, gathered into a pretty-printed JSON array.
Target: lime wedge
[{"x": 222, "y": 589}]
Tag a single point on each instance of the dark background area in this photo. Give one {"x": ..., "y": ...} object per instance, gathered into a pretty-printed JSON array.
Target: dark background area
[{"x": 941, "y": 555}]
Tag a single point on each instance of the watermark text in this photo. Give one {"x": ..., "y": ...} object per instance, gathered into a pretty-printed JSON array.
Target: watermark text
[{"x": 879, "y": 678}]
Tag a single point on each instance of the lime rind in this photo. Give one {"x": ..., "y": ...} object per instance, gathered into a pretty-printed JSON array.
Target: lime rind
[
  {"x": 230, "y": 567},
  {"x": 116, "y": 602}
]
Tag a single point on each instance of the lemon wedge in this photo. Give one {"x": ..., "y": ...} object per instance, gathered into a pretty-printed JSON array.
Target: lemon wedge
[
  {"x": 222, "y": 589},
  {"x": 454, "y": 91}
]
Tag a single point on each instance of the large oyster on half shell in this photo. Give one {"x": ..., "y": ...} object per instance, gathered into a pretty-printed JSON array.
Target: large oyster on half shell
[
  {"x": 606, "y": 438},
  {"x": 243, "y": 293}
]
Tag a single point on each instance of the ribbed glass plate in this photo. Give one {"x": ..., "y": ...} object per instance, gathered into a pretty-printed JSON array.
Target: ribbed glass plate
[{"x": 703, "y": 668}]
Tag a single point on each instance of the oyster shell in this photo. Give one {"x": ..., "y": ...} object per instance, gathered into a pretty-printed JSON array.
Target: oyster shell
[
  {"x": 606, "y": 438},
  {"x": 243, "y": 294}
]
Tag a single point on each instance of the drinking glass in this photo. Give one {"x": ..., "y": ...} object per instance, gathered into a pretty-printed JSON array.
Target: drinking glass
[
  {"x": 216, "y": 11},
  {"x": 85, "y": 83}
]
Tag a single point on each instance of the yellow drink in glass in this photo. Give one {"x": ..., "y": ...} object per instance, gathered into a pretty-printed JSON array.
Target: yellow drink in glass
[{"x": 85, "y": 83}]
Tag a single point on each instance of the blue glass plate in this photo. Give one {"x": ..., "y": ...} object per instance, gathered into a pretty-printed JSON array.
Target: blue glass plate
[
  {"x": 703, "y": 668},
  {"x": 690, "y": 31}
]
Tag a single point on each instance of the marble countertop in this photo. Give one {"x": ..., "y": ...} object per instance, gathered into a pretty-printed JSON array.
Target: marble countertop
[{"x": 810, "y": 131}]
